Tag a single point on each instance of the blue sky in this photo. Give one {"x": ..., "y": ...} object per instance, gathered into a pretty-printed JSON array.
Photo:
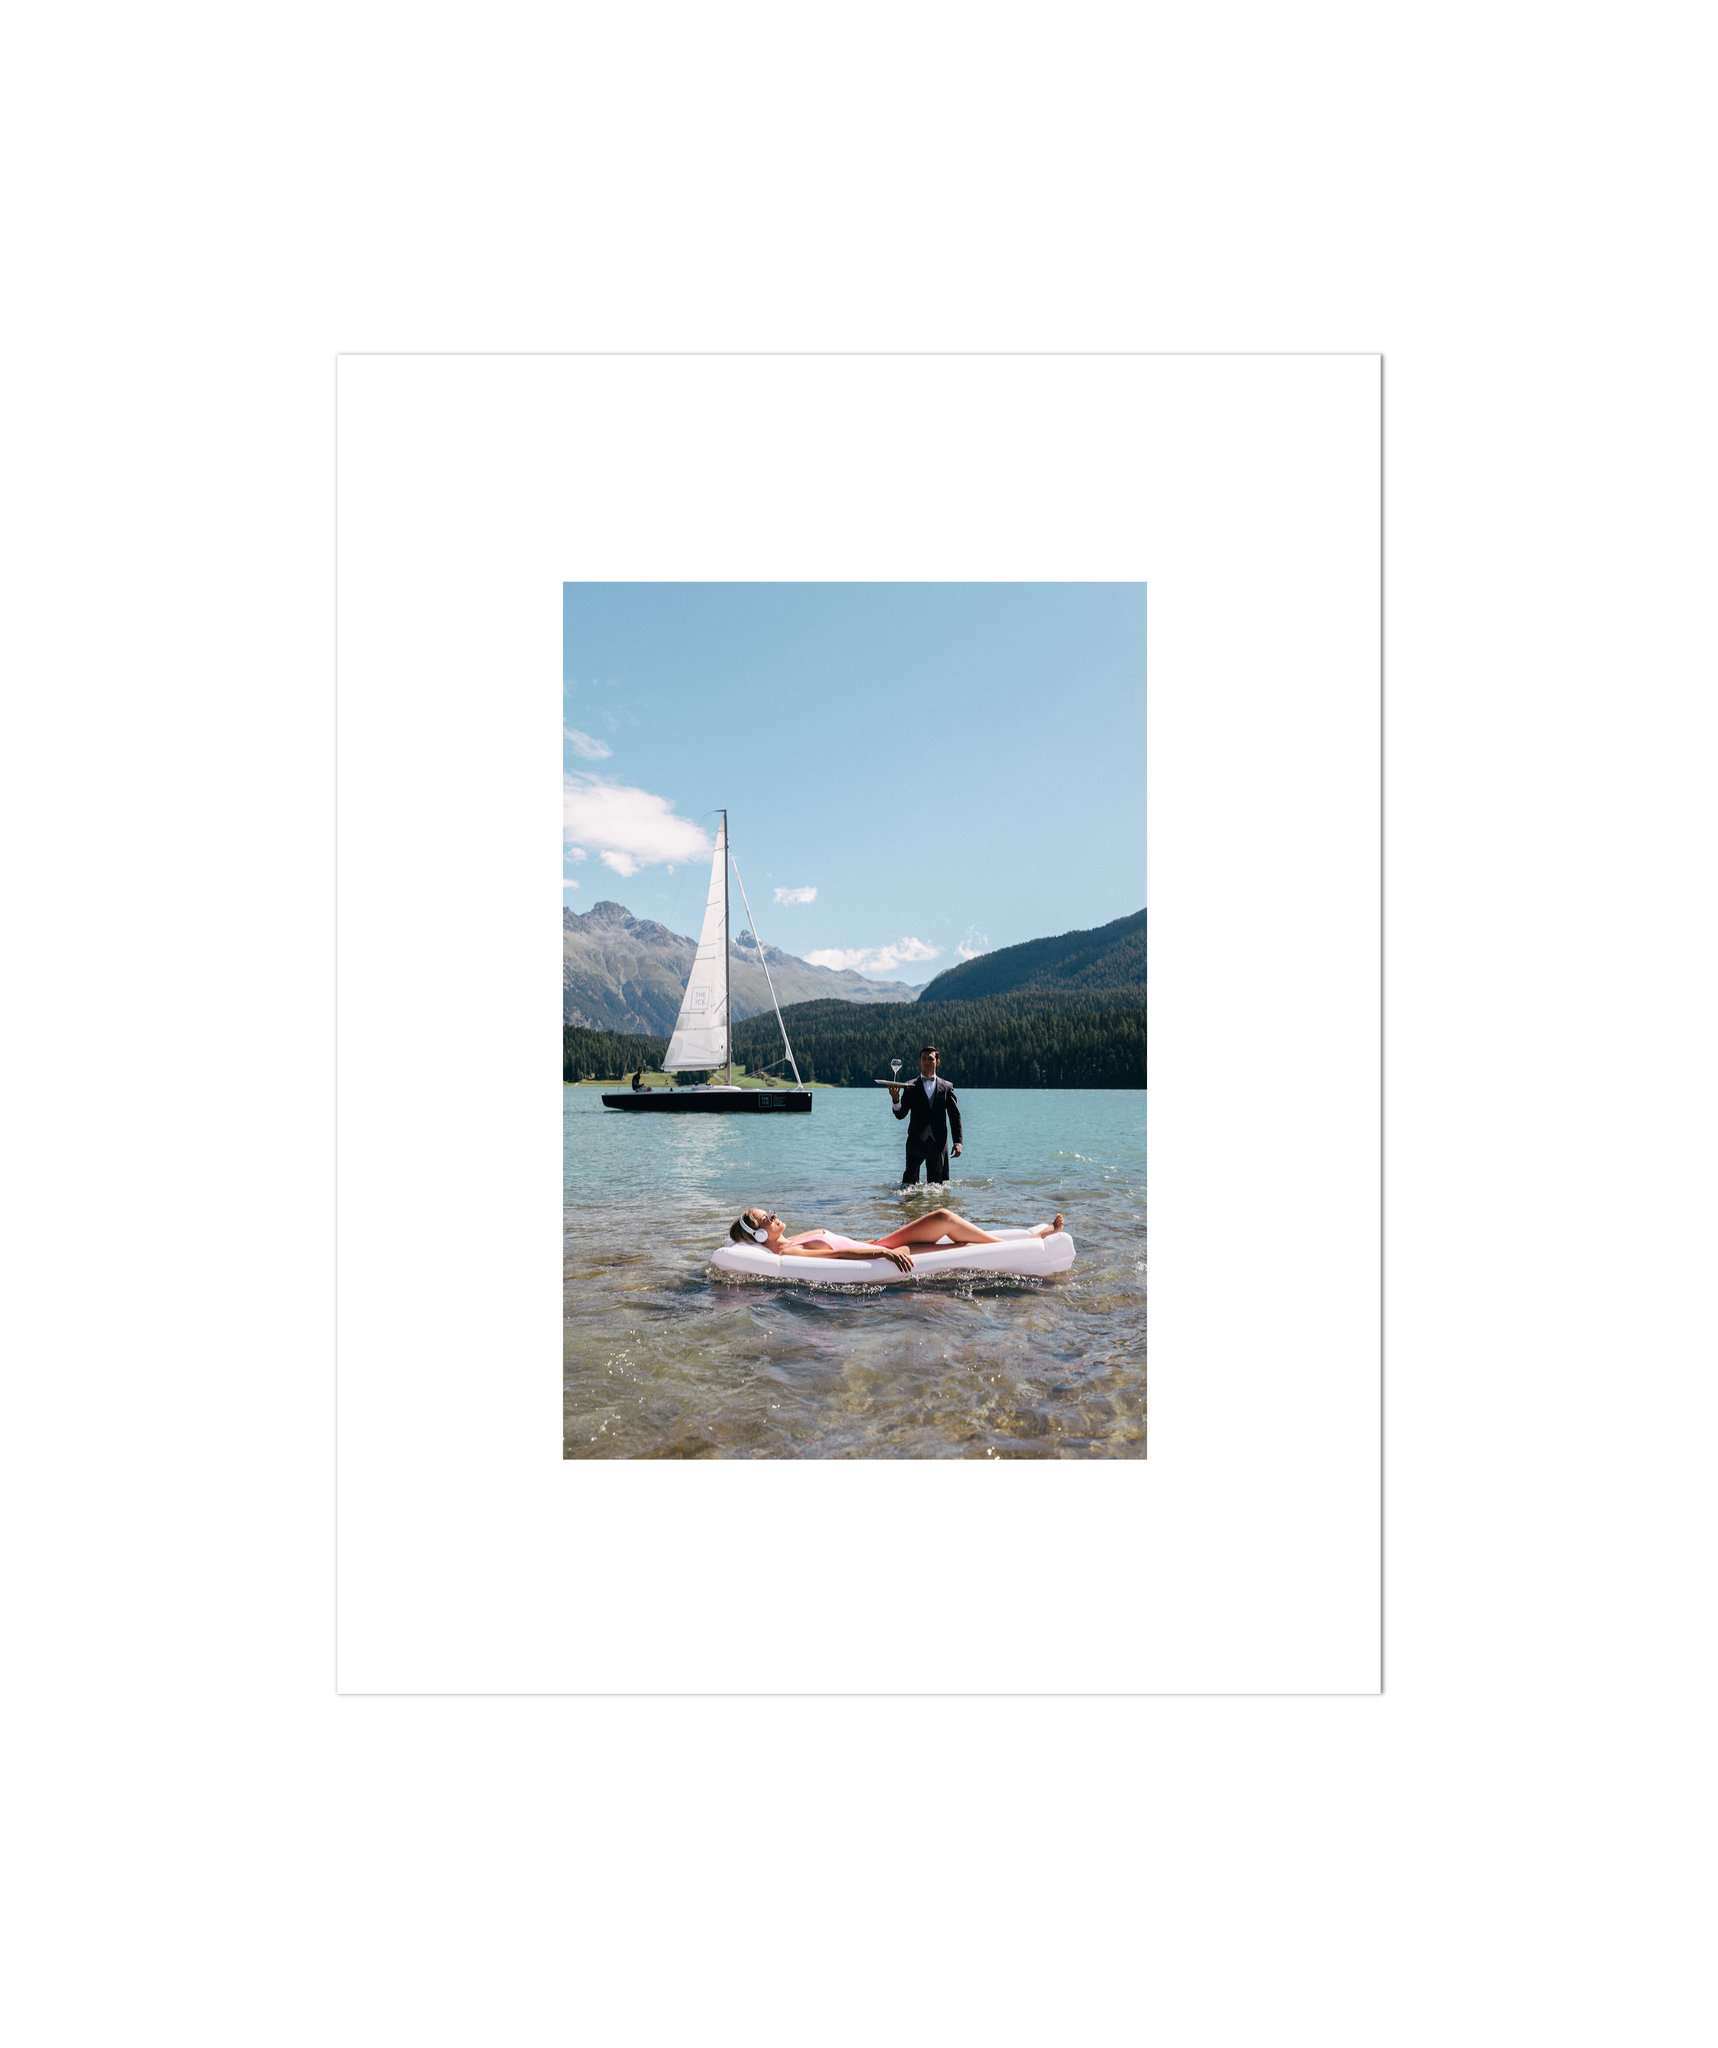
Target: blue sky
[{"x": 914, "y": 772}]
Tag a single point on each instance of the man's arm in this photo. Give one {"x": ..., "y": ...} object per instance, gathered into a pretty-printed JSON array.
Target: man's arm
[{"x": 954, "y": 1119}]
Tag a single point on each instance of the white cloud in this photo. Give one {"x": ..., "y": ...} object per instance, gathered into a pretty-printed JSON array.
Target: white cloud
[
  {"x": 576, "y": 853},
  {"x": 565, "y": 884},
  {"x": 879, "y": 960},
  {"x": 582, "y": 744},
  {"x": 973, "y": 944},
  {"x": 628, "y": 828},
  {"x": 796, "y": 895}
]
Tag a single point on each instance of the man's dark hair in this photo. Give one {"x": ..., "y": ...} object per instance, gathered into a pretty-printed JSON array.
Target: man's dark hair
[{"x": 923, "y": 1049}]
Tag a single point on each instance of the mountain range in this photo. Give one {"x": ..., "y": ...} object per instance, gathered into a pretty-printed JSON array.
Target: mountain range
[
  {"x": 626, "y": 973},
  {"x": 1110, "y": 956}
]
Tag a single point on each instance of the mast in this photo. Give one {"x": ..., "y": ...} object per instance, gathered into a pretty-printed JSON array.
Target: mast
[{"x": 727, "y": 958}]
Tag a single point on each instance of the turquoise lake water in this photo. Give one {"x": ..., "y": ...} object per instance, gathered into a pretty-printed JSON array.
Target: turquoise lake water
[{"x": 666, "y": 1356}]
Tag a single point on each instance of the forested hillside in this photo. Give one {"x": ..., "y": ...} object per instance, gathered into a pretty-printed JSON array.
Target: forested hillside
[
  {"x": 607, "y": 1054},
  {"x": 1050, "y": 1039},
  {"x": 1110, "y": 956},
  {"x": 1074, "y": 1038}
]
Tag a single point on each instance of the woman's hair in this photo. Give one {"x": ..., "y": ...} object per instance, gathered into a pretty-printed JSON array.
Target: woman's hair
[{"x": 743, "y": 1230}]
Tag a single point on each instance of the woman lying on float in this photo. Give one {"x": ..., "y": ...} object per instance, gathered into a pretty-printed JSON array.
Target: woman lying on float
[{"x": 763, "y": 1227}]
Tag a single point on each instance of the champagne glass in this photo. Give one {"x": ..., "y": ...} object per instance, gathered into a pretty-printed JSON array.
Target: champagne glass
[{"x": 895, "y": 1068}]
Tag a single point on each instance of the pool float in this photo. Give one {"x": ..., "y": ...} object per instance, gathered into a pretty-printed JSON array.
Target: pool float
[{"x": 1018, "y": 1252}]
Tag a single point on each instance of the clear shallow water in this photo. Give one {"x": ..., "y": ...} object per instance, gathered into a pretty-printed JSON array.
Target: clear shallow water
[{"x": 666, "y": 1356}]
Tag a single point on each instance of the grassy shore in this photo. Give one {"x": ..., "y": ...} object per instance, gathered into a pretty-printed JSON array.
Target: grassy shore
[{"x": 742, "y": 1079}]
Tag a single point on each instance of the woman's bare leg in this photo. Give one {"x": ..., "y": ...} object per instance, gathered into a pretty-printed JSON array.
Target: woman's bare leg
[{"x": 925, "y": 1230}]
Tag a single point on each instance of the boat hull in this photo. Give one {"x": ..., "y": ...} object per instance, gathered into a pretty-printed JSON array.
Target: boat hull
[{"x": 714, "y": 1101}]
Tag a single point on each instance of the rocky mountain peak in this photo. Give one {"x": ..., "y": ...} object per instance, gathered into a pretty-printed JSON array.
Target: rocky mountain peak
[
  {"x": 746, "y": 946},
  {"x": 613, "y": 919}
]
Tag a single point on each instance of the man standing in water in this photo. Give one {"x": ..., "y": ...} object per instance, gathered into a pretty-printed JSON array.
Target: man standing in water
[{"x": 930, "y": 1103}]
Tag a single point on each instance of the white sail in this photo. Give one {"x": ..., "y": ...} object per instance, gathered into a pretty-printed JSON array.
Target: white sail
[{"x": 701, "y": 1029}]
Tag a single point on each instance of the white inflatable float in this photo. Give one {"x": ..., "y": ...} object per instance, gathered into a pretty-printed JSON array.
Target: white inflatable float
[{"x": 1018, "y": 1252}]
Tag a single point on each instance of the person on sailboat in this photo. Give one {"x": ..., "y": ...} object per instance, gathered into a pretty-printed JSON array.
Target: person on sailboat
[
  {"x": 765, "y": 1227},
  {"x": 930, "y": 1103}
]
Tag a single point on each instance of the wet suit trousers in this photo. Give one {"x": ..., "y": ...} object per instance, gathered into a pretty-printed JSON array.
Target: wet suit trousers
[{"x": 932, "y": 1157}]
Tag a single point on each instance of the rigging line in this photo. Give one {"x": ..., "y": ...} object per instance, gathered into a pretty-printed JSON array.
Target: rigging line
[{"x": 756, "y": 941}]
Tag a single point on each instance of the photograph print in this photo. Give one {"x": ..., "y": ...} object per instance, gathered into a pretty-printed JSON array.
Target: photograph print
[{"x": 854, "y": 1020}]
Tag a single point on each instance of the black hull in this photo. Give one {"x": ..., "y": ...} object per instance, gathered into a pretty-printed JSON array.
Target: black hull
[{"x": 689, "y": 1101}]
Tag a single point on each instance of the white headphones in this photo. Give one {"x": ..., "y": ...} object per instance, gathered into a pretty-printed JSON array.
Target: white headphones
[{"x": 762, "y": 1236}]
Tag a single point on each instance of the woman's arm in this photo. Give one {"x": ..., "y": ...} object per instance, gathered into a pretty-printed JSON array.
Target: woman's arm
[{"x": 869, "y": 1251}]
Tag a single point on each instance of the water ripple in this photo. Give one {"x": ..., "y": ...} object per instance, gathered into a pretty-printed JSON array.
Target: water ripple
[{"x": 665, "y": 1356}]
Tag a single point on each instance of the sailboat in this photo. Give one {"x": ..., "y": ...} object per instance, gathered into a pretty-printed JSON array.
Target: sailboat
[{"x": 702, "y": 1037}]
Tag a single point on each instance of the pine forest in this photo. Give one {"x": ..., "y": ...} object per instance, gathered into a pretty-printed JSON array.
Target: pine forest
[{"x": 1079, "y": 1038}]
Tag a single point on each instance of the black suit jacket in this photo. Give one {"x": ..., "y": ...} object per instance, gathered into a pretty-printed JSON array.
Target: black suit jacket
[{"x": 932, "y": 1118}]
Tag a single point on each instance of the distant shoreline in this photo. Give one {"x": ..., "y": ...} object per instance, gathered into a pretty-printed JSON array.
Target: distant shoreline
[
  {"x": 857, "y": 1087},
  {"x": 659, "y": 1080}
]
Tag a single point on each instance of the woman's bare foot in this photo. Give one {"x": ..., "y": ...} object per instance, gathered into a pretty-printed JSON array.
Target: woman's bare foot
[{"x": 1049, "y": 1229}]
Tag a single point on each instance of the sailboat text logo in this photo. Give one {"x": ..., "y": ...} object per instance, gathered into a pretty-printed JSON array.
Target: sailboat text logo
[{"x": 698, "y": 999}]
